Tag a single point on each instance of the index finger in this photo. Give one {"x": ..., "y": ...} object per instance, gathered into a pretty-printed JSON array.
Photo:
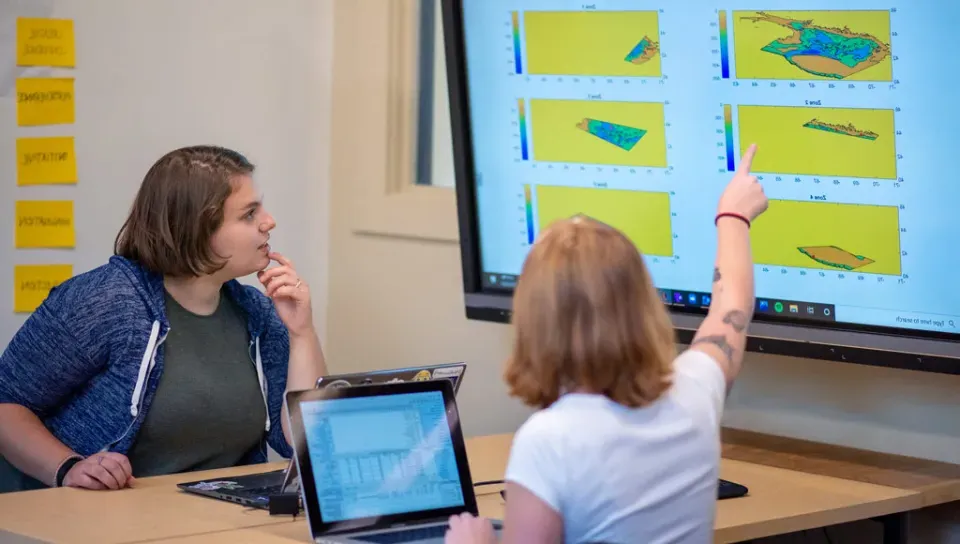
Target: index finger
[
  {"x": 747, "y": 161},
  {"x": 281, "y": 259}
]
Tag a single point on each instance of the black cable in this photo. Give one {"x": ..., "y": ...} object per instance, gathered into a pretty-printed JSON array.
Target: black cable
[{"x": 827, "y": 535}]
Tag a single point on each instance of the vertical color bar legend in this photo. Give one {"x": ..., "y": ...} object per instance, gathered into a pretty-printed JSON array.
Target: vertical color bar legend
[
  {"x": 522, "y": 112},
  {"x": 516, "y": 42},
  {"x": 528, "y": 206},
  {"x": 724, "y": 52},
  {"x": 728, "y": 133}
]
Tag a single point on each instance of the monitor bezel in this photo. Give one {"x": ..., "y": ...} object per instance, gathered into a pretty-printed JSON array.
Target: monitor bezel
[
  {"x": 927, "y": 351},
  {"x": 311, "y": 503}
]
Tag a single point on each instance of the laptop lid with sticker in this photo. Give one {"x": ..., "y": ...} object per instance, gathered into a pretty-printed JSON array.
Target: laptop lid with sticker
[
  {"x": 451, "y": 371},
  {"x": 380, "y": 456}
]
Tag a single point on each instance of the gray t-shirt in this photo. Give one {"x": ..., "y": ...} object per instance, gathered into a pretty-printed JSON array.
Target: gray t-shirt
[{"x": 208, "y": 410}]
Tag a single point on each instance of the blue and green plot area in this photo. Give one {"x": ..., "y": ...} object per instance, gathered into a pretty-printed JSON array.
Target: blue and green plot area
[
  {"x": 622, "y": 136},
  {"x": 645, "y": 50},
  {"x": 823, "y": 44}
]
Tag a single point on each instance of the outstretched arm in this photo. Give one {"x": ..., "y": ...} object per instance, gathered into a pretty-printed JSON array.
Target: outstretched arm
[{"x": 723, "y": 333}]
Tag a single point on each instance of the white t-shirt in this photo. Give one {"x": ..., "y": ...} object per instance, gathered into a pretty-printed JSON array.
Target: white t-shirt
[{"x": 625, "y": 475}]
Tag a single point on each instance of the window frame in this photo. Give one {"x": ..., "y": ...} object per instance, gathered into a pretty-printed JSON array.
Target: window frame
[{"x": 374, "y": 128}]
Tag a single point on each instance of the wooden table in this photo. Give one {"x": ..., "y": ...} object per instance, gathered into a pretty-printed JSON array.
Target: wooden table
[{"x": 794, "y": 485}]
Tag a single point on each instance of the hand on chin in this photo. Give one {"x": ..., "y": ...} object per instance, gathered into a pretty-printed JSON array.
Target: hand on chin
[{"x": 289, "y": 293}]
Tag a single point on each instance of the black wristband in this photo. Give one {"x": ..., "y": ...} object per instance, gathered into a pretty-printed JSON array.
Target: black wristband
[
  {"x": 730, "y": 214},
  {"x": 65, "y": 468}
]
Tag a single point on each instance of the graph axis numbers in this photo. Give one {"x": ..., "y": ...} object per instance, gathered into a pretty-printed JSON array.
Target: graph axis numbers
[
  {"x": 646, "y": 218},
  {"x": 594, "y": 135},
  {"x": 831, "y": 47},
  {"x": 586, "y": 46},
  {"x": 820, "y": 143},
  {"x": 817, "y": 238}
]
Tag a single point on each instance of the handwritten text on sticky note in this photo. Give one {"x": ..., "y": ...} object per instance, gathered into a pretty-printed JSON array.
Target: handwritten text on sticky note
[
  {"x": 32, "y": 283},
  {"x": 46, "y": 161},
  {"x": 45, "y": 42},
  {"x": 44, "y": 224},
  {"x": 45, "y": 101}
]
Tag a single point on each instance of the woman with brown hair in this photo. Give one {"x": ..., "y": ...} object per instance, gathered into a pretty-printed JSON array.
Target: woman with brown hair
[
  {"x": 625, "y": 447},
  {"x": 160, "y": 361}
]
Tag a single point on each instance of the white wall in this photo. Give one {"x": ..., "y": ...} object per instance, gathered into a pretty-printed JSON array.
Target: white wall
[{"x": 153, "y": 75}]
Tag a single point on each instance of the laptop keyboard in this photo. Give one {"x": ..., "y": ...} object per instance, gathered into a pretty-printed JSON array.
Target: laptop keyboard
[
  {"x": 409, "y": 535},
  {"x": 265, "y": 491}
]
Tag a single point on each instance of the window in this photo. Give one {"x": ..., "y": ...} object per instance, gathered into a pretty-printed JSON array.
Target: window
[
  {"x": 434, "y": 144},
  {"x": 375, "y": 123}
]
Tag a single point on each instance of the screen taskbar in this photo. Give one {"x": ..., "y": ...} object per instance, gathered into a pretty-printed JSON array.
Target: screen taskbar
[
  {"x": 797, "y": 309},
  {"x": 699, "y": 300},
  {"x": 681, "y": 299}
]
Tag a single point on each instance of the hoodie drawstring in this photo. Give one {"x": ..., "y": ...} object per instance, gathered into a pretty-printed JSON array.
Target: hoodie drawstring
[
  {"x": 146, "y": 364},
  {"x": 263, "y": 384}
]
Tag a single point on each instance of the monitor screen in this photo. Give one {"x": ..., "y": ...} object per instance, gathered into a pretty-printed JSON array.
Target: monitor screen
[
  {"x": 380, "y": 455},
  {"x": 637, "y": 113}
]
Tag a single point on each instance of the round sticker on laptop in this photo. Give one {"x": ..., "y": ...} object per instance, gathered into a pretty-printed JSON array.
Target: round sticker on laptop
[
  {"x": 422, "y": 376},
  {"x": 339, "y": 384}
]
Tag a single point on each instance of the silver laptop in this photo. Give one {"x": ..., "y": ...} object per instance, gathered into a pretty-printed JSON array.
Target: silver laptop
[
  {"x": 254, "y": 490},
  {"x": 381, "y": 463},
  {"x": 452, "y": 371}
]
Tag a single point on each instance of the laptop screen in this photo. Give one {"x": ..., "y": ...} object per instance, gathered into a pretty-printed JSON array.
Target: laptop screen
[{"x": 381, "y": 455}]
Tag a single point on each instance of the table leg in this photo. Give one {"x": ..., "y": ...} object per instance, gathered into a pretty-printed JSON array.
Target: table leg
[{"x": 894, "y": 528}]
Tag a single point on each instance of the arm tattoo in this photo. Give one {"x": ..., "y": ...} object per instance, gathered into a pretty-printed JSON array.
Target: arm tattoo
[
  {"x": 718, "y": 340},
  {"x": 736, "y": 319},
  {"x": 716, "y": 274}
]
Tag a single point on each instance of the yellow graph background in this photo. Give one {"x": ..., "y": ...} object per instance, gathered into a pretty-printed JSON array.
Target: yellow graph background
[
  {"x": 870, "y": 231},
  {"x": 556, "y": 137},
  {"x": 785, "y": 146},
  {"x": 644, "y": 217},
  {"x": 749, "y": 38},
  {"x": 589, "y": 43}
]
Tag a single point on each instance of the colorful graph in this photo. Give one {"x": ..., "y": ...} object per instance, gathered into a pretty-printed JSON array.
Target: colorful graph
[
  {"x": 528, "y": 208},
  {"x": 829, "y": 236},
  {"x": 820, "y": 141},
  {"x": 593, "y": 43},
  {"x": 728, "y": 136},
  {"x": 515, "y": 23},
  {"x": 644, "y": 217},
  {"x": 595, "y": 132},
  {"x": 823, "y": 45},
  {"x": 522, "y": 121},
  {"x": 621, "y": 136},
  {"x": 724, "y": 46}
]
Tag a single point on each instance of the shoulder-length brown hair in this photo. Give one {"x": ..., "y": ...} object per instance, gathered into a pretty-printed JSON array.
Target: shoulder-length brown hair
[
  {"x": 178, "y": 208},
  {"x": 587, "y": 318}
]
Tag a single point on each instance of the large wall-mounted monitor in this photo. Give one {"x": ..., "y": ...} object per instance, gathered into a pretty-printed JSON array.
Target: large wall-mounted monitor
[{"x": 636, "y": 113}]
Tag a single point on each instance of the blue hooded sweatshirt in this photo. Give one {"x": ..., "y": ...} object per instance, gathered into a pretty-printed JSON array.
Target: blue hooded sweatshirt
[{"x": 87, "y": 362}]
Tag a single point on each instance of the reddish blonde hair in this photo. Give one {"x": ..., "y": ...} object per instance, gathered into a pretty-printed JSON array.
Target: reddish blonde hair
[{"x": 587, "y": 318}]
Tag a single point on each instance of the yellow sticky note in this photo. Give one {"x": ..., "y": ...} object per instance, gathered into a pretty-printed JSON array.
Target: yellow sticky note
[
  {"x": 44, "y": 223},
  {"x": 33, "y": 282},
  {"x": 42, "y": 161},
  {"x": 45, "y": 101},
  {"x": 45, "y": 42}
]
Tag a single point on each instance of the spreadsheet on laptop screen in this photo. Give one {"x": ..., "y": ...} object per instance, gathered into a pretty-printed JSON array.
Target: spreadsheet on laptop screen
[{"x": 376, "y": 456}]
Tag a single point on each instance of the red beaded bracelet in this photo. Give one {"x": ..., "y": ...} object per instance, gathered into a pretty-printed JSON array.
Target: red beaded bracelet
[{"x": 730, "y": 214}]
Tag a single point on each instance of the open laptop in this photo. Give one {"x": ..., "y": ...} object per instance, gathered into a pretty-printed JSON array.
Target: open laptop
[
  {"x": 452, "y": 371},
  {"x": 255, "y": 489},
  {"x": 381, "y": 463}
]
